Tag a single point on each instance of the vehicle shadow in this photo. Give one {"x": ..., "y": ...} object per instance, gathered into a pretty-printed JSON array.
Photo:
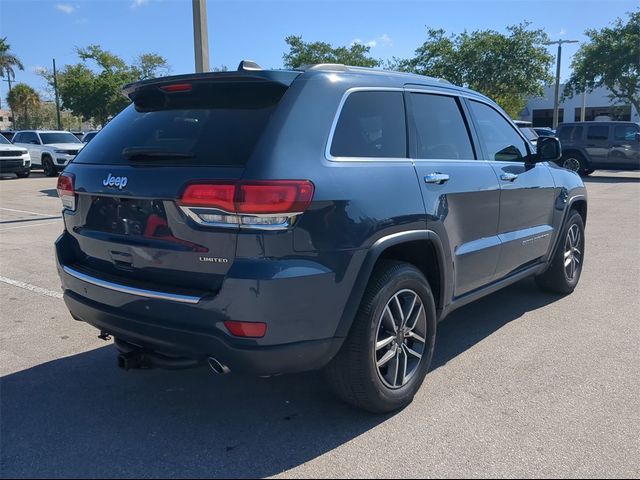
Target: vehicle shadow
[
  {"x": 50, "y": 192},
  {"x": 81, "y": 417},
  {"x": 610, "y": 179}
]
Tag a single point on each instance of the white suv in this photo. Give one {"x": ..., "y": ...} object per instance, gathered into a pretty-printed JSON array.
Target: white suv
[
  {"x": 14, "y": 159},
  {"x": 51, "y": 150}
]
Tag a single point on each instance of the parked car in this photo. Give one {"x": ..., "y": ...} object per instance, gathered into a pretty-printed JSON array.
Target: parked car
[
  {"x": 87, "y": 137},
  {"x": 545, "y": 131},
  {"x": 78, "y": 134},
  {"x": 527, "y": 130},
  {"x": 14, "y": 159},
  {"x": 273, "y": 222},
  {"x": 50, "y": 150},
  {"x": 588, "y": 146}
]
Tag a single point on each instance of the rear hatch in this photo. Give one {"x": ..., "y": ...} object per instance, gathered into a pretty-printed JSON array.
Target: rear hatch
[{"x": 127, "y": 225}]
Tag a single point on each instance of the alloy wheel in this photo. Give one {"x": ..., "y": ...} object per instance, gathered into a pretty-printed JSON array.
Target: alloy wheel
[
  {"x": 573, "y": 252},
  {"x": 400, "y": 339},
  {"x": 572, "y": 164}
]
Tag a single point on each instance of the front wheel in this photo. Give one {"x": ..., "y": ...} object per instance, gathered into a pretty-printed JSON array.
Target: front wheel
[
  {"x": 48, "y": 168},
  {"x": 574, "y": 162},
  {"x": 387, "y": 354},
  {"x": 563, "y": 274}
]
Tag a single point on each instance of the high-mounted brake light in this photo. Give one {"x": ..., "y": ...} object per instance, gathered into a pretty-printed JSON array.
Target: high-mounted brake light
[
  {"x": 66, "y": 190},
  {"x": 271, "y": 204},
  {"x": 177, "y": 87}
]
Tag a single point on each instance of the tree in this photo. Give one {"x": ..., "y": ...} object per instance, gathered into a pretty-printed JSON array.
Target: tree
[
  {"x": 92, "y": 89},
  {"x": 611, "y": 58},
  {"x": 307, "y": 53},
  {"x": 8, "y": 61},
  {"x": 23, "y": 101},
  {"x": 506, "y": 67}
]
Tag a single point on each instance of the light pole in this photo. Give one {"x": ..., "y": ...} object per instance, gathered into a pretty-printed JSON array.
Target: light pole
[
  {"x": 55, "y": 89},
  {"x": 556, "y": 99},
  {"x": 200, "y": 35}
]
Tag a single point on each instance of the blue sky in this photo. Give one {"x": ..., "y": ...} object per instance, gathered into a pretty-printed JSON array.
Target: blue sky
[{"x": 39, "y": 30}]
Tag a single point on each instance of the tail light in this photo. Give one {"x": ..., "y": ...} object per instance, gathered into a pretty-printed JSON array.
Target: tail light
[
  {"x": 66, "y": 190},
  {"x": 270, "y": 204}
]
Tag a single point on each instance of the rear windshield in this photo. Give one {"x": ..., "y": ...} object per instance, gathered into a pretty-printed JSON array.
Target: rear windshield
[
  {"x": 58, "y": 137},
  {"x": 217, "y": 125}
]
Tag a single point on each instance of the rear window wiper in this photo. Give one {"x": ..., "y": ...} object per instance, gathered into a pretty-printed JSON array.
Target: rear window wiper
[{"x": 151, "y": 152}]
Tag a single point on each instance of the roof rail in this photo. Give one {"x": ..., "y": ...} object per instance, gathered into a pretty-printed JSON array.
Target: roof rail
[{"x": 336, "y": 67}]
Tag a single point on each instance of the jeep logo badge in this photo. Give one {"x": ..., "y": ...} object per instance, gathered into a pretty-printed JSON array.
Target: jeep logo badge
[{"x": 118, "y": 182}]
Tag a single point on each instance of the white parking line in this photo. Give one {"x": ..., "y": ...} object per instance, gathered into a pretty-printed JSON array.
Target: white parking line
[
  {"x": 31, "y": 288},
  {"x": 27, "y": 226},
  {"x": 27, "y": 211}
]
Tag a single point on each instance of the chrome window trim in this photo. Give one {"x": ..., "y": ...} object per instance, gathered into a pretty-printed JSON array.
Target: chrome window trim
[
  {"x": 334, "y": 124},
  {"x": 139, "y": 292}
]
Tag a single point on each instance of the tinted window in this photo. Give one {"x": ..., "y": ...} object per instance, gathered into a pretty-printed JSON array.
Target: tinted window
[
  {"x": 570, "y": 133},
  {"x": 600, "y": 132},
  {"x": 58, "y": 137},
  {"x": 441, "y": 131},
  {"x": 626, "y": 132},
  {"x": 25, "y": 137},
  {"x": 499, "y": 138},
  {"x": 371, "y": 124},
  {"x": 215, "y": 124}
]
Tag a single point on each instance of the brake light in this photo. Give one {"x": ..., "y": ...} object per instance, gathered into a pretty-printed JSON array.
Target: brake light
[
  {"x": 250, "y": 204},
  {"x": 66, "y": 190},
  {"x": 246, "y": 329},
  {"x": 177, "y": 87}
]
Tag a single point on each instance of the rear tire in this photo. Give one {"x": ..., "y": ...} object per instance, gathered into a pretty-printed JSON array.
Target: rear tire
[
  {"x": 48, "y": 168},
  {"x": 387, "y": 353},
  {"x": 563, "y": 274}
]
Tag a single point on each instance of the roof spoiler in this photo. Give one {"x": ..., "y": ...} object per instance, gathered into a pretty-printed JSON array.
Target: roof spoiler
[{"x": 247, "y": 72}]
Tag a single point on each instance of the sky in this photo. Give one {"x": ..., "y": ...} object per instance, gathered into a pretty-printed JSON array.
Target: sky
[{"x": 40, "y": 30}]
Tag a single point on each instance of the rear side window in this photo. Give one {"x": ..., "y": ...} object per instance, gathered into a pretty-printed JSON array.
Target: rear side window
[
  {"x": 600, "y": 132},
  {"x": 441, "y": 132},
  {"x": 214, "y": 125},
  {"x": 499, "y": 138},
  {"x": 371, "y": 125},
  {"x": 626, "y": 132},
  {"x": 570, "y": 133}
]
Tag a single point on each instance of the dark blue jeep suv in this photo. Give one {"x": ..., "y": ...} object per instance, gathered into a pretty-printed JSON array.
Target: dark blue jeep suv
[{"x": 273, "y": 222}]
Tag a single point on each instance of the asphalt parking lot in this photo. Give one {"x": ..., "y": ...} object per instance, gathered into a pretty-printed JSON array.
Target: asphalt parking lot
[{"x": 523, "y": 383}]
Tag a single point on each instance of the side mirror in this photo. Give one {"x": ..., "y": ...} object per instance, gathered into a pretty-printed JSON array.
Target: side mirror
[
  {"x": 637, "y": 136},
  {"x": 549, "y": 150}
]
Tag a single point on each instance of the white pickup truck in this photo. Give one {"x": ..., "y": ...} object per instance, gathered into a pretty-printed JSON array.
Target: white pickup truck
[{"x": 51, "y": 150}]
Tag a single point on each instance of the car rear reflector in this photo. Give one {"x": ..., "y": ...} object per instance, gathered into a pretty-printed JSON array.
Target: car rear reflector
[
  {"x": 66, "y": 190},
  {"x": 246, "y": 329}
]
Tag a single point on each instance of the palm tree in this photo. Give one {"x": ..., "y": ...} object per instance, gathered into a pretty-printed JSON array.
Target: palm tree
[
  {"x": 8, "y": 61},
  {"x": 22, "y": 98}
]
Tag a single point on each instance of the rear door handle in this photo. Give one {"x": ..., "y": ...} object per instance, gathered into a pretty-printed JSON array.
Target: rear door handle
[
  {"x": 509, "y": 177},
  {"x": 436, "y": 177}
]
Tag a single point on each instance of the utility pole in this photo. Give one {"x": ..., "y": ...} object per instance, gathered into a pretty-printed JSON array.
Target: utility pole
[
  {"x": 55, "y": 88},
  {"x": 200, "y": 35},
  {"x": 556, "y": 100}
]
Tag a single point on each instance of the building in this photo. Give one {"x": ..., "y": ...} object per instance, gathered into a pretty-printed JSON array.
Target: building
[
  {"x": 6, "y": 121},
  {"x": 598, "y": 106}
]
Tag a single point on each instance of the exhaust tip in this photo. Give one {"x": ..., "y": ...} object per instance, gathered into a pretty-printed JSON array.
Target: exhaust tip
[{"x": 217, "y": 367}]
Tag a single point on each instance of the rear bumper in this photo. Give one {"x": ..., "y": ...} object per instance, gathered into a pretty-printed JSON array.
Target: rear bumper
[
  {"x": 274, "y": 360},
  {"x": 301, "y": 307}
]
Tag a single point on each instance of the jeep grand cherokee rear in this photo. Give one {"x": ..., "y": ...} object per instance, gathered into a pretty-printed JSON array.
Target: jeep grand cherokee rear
[{"x": 281, "y": 221}]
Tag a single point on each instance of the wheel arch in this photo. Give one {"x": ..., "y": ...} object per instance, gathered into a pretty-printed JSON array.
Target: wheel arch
[{"x": 421, "y": 248}]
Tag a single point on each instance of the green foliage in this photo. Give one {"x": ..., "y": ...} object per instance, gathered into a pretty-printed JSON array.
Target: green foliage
[
  {"x": 612, "y": 59},
  {"x": 92, "y": 89},
  {"x": 8, "y": 61},
  {"x": 24, "y": 102},
  {"x": 506, "y": 67},
  {"x": 307, "y": 53}
]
